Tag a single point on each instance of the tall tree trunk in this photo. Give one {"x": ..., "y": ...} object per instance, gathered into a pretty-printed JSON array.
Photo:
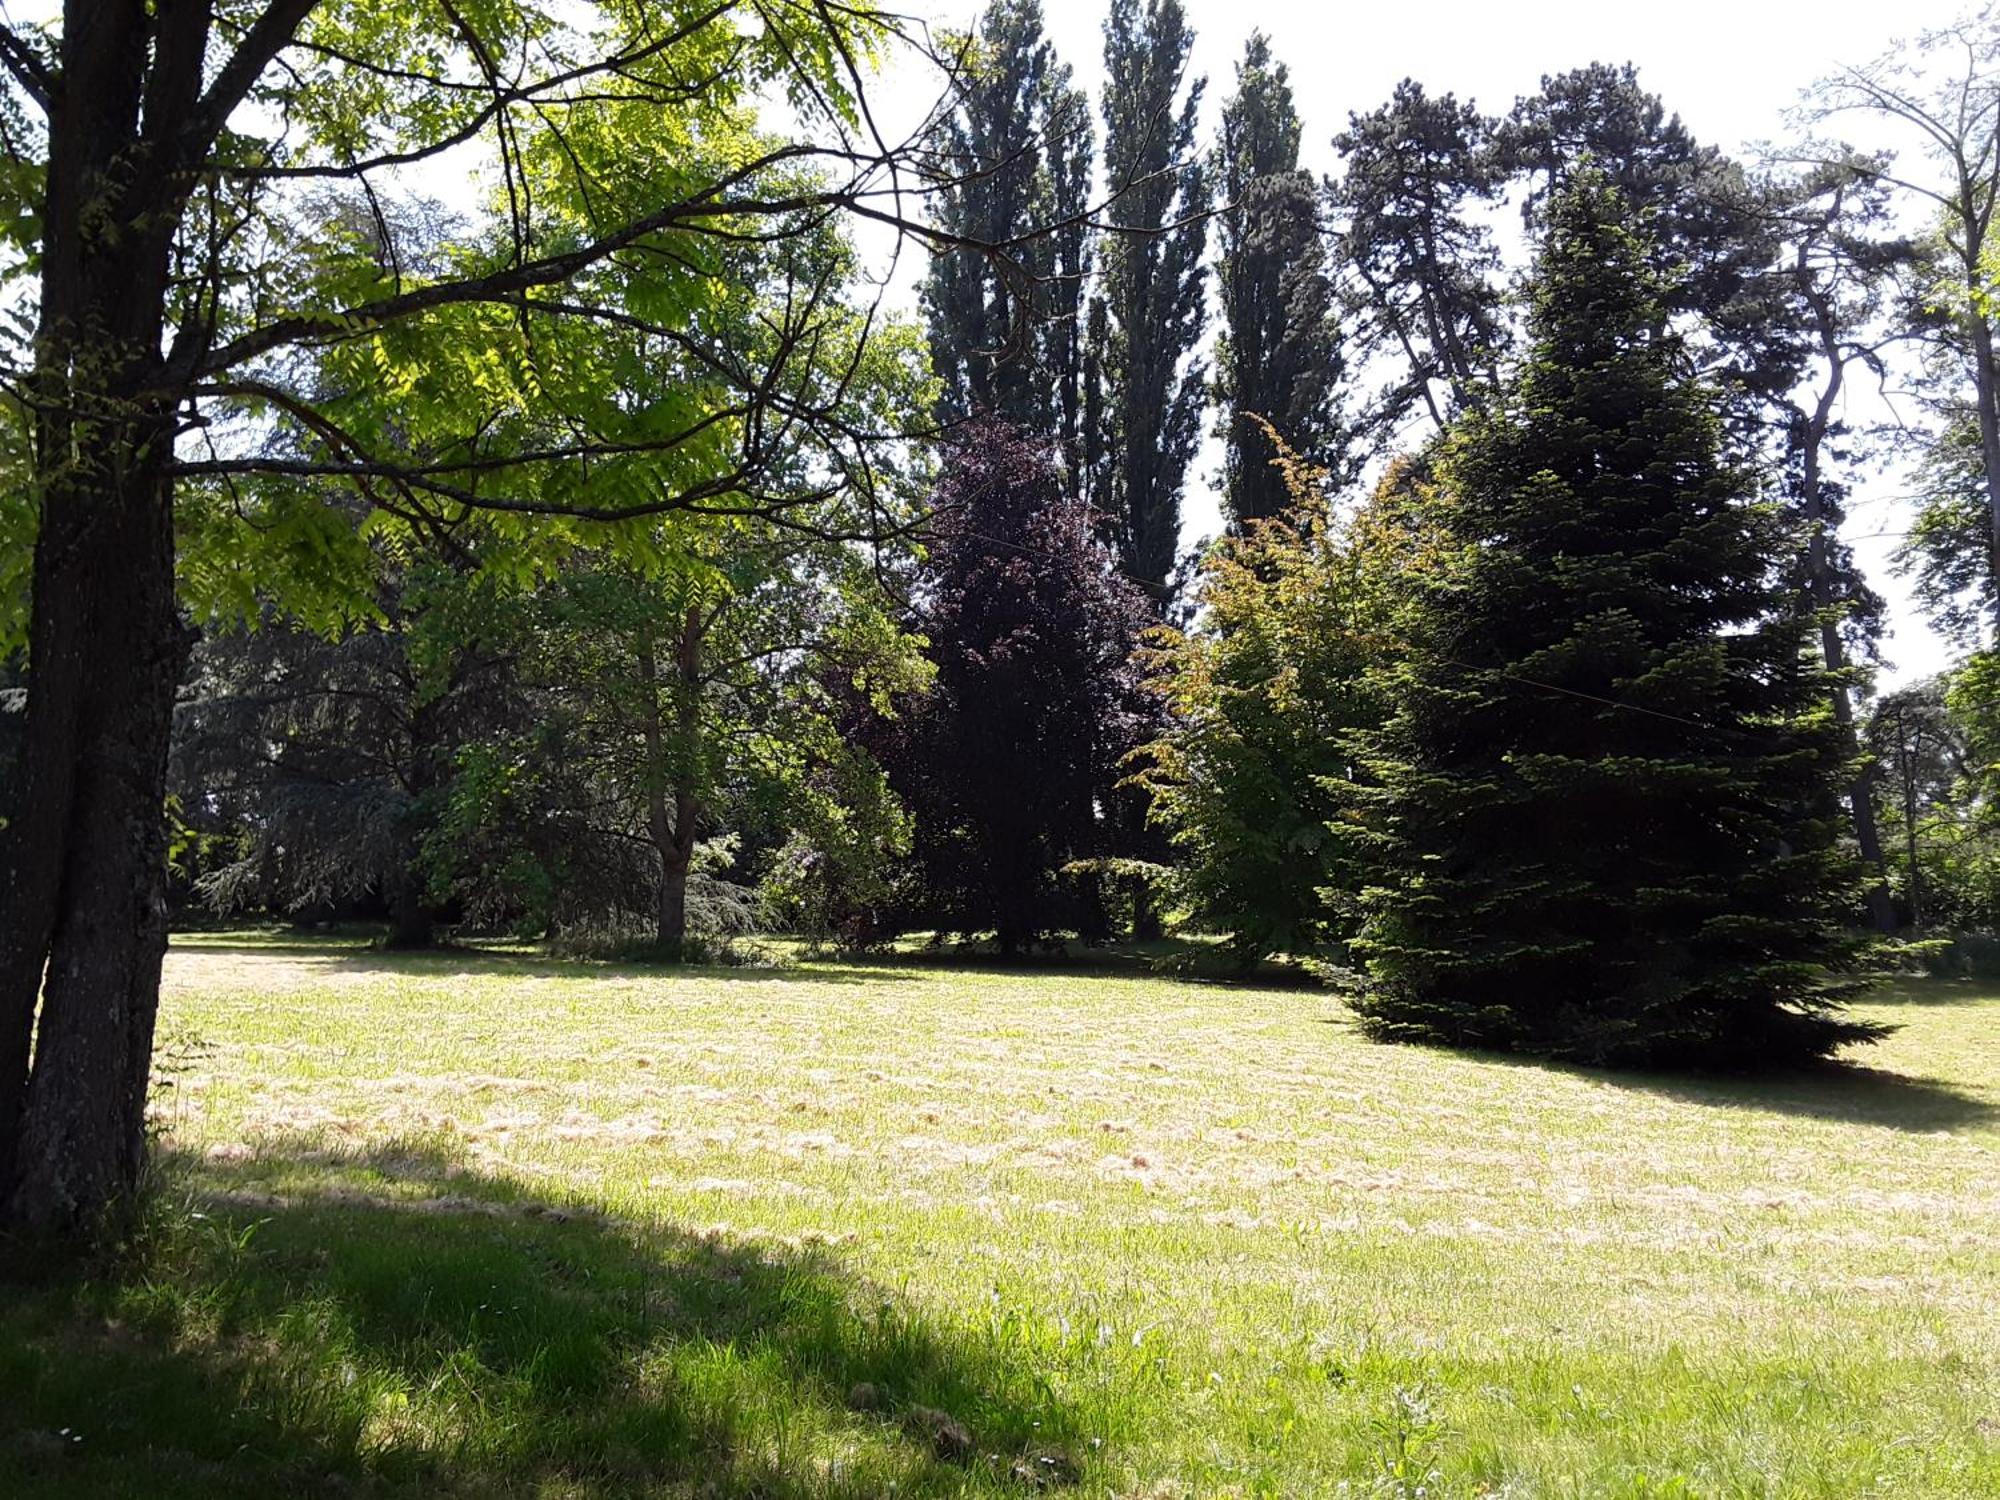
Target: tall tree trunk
[
  {"x": 1986, "y": 391},
  {"x": 673, "y": 812},
  {"x": 1821, "y": 584},
  {"x": 675, "y": 858},
  {"x": 1861, "y": 792},
  {"x": 82, "y": 871},
  {"x": 1912, "y": 752},
  {"x": 32, "y": 846},
  {"x": 410, "y": 922},
  {"x": 82, "y": 1134}
]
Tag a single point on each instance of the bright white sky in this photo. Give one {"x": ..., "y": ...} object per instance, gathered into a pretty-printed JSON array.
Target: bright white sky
[{"x": 1729, "y": 68}]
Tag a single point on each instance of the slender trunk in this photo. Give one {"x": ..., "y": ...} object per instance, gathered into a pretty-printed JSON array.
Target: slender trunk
[
  {"x": 1912, "y": 753},
  {"x": 1861, "y": 794},
  {"x": 1820, "y": 583},
  {"x": 1986, "y": 388},
  {"x": 673, "y": 814}
]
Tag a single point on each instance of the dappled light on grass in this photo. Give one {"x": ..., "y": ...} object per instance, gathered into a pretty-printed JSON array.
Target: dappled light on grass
[
  {"x": 389, "y": 1314},
  {"x": 488, "y": 1225}
]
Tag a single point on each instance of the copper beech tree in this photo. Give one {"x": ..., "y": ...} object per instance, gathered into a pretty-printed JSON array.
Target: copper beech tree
[{"x": 212, "y": 210}]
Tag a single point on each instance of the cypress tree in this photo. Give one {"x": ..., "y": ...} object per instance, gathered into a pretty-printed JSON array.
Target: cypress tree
[
  {"x": 1279, "y": 356},
  {"x": 1605, "y": 808}
]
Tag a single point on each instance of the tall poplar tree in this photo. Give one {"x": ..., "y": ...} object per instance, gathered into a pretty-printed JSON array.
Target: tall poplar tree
[
  {"x": 1606, "y": 805},
  {"x": 1007, "y": 333},
  {"x": 1279, "y": 356},
  {"x": 1152, "y": 285}
]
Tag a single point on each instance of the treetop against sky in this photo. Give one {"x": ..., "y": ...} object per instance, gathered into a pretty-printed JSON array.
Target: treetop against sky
[{"x": 1734, "y": 74}]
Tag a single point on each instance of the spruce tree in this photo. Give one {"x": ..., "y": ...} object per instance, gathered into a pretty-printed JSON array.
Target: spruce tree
[
  {"x": 1152, "y": 389},
  {"x": 1006, "y": 335},
  {"x": 1605, "y": 808},
  {"x": 1710, "y": 229},
  {"x": 1279, "y": 356}
]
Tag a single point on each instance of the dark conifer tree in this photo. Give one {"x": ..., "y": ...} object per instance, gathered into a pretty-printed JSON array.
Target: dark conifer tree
[
  {"x": 1279, "y": 355},
  {"x": 1007, "y": 338},
  {"x": 1607, "y": 801},
  {"x": 1709, "y": 230},
  {"x": 1010, "y": 762},
  {"x": 1152, "y": 285},
  {"x": 1420, "y": 269}
]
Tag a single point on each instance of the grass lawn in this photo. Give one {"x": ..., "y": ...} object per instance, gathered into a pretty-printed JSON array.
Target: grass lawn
[{"x": 488, "y": 1225}]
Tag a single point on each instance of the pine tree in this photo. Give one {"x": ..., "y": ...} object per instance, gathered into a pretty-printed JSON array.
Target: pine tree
[
  {"x": 1153, "y": 295},
  {"x": 1007, "y": 340},
  {"x": 1606, "y": 805},
  {"x": 1708, "y": 228},
  {"x": 1422, "y": 269},
  {"x": 1279, "y": 356}
]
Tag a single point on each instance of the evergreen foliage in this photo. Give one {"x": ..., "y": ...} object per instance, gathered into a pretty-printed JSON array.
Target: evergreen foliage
[
  {"x": 1710, "y": 232},
  {"x": 315, "y": 768},
  {"x": 1605, "y": 805},
  {"x": 1421, "y": 266}
]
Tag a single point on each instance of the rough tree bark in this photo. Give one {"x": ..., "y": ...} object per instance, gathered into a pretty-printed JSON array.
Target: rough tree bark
[{"x": 82, "y": 873}]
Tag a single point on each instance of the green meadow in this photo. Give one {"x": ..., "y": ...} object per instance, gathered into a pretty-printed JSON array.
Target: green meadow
[{"x": 486, "y": 1224}]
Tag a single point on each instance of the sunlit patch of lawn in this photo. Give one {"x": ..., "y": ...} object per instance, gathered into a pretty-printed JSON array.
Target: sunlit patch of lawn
[{"x": 482, "y": 1224}]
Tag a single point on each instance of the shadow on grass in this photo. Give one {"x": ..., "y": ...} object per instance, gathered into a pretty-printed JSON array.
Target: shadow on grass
[
  {"x": 315, "y": 1323},
  {"x": 1849, "y": 1091},
  {"x": 452, "y": 962},
  {"x": 1183, "y": 962},
  {"x": 1924, "y": 990},
  {"x": 1835, "y": 1091},
  {"x": 1180, "y": 960}
]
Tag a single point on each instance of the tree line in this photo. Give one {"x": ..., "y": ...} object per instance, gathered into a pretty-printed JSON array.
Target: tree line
[{"x": 608, "y": 564}]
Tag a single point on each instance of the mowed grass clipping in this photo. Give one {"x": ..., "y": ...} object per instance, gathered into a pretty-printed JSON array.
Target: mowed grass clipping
[{"x": 489, "y": 1225}]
